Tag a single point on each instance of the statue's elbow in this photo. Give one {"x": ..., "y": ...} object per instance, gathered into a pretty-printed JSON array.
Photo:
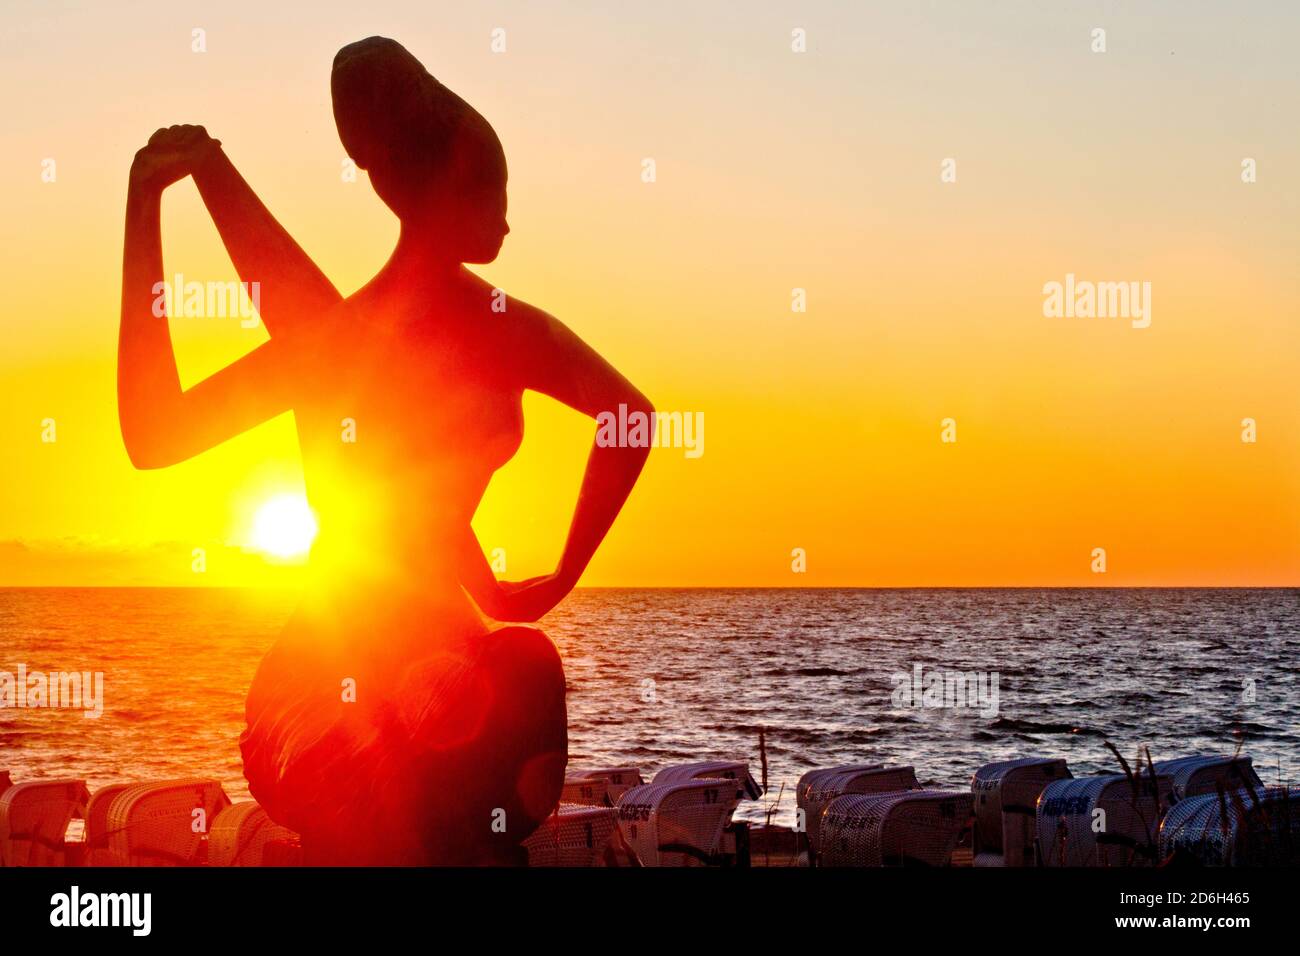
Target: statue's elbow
[{"x": 142, "y": 449}]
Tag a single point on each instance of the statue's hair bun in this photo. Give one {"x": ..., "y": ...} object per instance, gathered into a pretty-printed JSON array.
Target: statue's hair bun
[{"x": 390, "y": 110}]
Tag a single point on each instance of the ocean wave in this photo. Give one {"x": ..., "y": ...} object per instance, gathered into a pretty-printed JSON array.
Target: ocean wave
[
  {"x": 811, "y": 672},
  {"x": 1233, "y": 729},
  {"x": 1016, "y": 725}
]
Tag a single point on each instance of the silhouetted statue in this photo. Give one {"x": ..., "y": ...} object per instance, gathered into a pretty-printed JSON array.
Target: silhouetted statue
[{"x": 389, "y": 723}]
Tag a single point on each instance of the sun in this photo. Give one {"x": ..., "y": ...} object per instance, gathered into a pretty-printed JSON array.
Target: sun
[{"x": 284, "y": 526}]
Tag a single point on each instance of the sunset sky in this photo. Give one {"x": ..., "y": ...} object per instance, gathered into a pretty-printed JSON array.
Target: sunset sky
[{"x": 775, "y": 170}]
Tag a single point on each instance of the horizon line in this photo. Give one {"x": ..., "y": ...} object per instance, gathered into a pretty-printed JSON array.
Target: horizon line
[{"x": 707, "y": 587}]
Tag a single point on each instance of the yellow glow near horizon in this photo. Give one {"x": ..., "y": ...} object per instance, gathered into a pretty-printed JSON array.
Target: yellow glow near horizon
[
  {"x": 776, "y": 170},
  {"x": 284, "y": 527}
]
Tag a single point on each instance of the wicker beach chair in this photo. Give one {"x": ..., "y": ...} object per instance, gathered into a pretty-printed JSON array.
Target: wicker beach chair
[
  {"x": 815, "y": 776},
  {"x": 815, "y": 794},
  {"x": 902, "y": 828},
  {"x": 239, "y": 835},
  {"x": 813, "y": 779},
  {"x": 34, "y": 818},
  {"x": 618, "y": 780},
  {"x": 737, "y": 770},
  {"x": 1006, "y": 800},
  {"x": 1246, "y": 827},
  {"x": 586, "y": 791},
  {"x": 97, "y": 850},
  {"x": 575, "y": 835},
  {"x": 678, "y": 823},
  {"x": 282, "y": 852},
  {"x": 747, "y": 788},
  {"x": 1070, "y": 832},
  {"x": 1209, "y": 774},
  {"x": 154, "y": 824}
]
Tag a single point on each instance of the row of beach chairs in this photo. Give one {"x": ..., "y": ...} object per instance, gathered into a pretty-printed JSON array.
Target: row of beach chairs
[
  {"x": 1203, "y": 810},
  {"x": 607, "y": 817},
  {"x": 170, "y": 823},
  {"x": 864, "y": 815},
  {"x": 878, "y": 815},
  {"x": 612, "y": 817}
]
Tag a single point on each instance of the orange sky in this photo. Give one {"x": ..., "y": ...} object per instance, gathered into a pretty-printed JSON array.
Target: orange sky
[{"x": 775, "y": 170}]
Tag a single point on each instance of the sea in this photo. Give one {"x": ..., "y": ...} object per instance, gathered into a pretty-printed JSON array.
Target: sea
[{"x": 943, "y": 680}]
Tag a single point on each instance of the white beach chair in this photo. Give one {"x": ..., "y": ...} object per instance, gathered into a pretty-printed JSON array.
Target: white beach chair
[
  {"x": 903, "y": 828},
  {"x": 1006, "y": 801},
  {"x": 1071, "y": 832},
  {"x": 1246, "y": 827},
  {"x": 678, "y": 823},
  {"x": 737, "y": 770},
  {"x": 239, "y": 835},
  {"x": 581, "y": 790},
  {"x": 34, "y": 819},
  {"x": 818, "y": 788},
  {"x": 1209, "y": 774},
  {"x": 574, "y": 835},
  {"x": 813, "y": 779},
  {"x": 747, "y": 788},
  {"x": 815, "y": 776},
  {"x": 97, "y": 850},
  {"x": 618, "y": 780},
  {"x": 159, "y": 824}
]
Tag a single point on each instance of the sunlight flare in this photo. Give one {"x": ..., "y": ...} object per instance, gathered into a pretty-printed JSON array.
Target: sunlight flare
[{"x": 284, "y": 526}]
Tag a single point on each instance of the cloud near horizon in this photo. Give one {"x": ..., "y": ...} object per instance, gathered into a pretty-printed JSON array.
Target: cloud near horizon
[{"x": 92, "y": 562}]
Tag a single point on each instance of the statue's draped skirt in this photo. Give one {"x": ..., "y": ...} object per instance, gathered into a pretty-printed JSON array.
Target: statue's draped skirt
[{"x": 398, "y": 749}]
